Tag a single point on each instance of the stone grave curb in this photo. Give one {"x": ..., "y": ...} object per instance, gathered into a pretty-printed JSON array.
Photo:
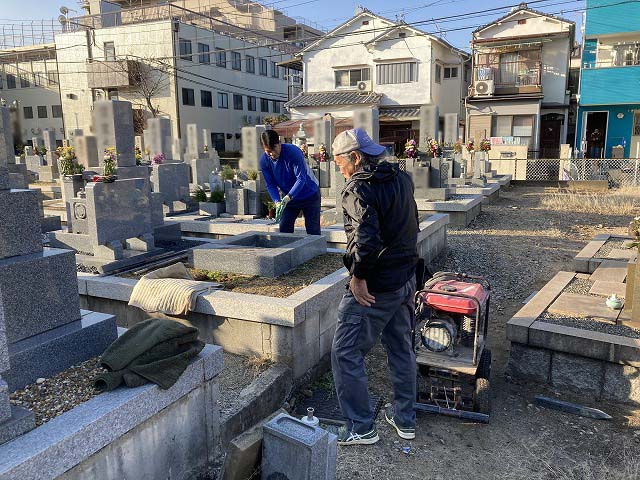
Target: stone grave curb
[
  {"x": 586, "y": 261},
  {"x": 459, "y": 205},
  {"x": 74, "y": 436}
]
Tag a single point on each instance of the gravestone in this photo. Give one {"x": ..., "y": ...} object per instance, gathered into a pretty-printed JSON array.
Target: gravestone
[
  {"x": 49, "y": 139},
  {"x": 195, "y": 144},
  {"x": 206, "y": 138},
  {"x": 171, "y": 180},
  {"x": 451, "y": 126},
  {"x": 251, "y": 147},
  {"x": 139, "y": 141},
  {"x": 113, "y": 126},
  {"x": 201, "y": 162},
  {"x": 254, "y": 193},
  {"x": 323, "y": 134},
  {"x": 87, "y": 151},
  {"x": 158, "y": 138},
  {"x": 338, "y": 182},
  {"x": 429, "y": 125},
  {"x": 37, "y": 142},
  {"x": 291, "y": 449},
  {"x": 368, "y": 120},
  {"x": 42, "y": 330},
  {"x": 177, "y": 152},
  {"x": 427, "y": 179},
  {"x": 236, "y": 198}
]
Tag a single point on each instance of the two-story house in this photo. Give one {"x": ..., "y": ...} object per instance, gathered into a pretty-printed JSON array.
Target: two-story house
[
  {"x": 610, "y": 80},
  {"x": 370, "y": 62},
  {"x": 519, "y": 94}
]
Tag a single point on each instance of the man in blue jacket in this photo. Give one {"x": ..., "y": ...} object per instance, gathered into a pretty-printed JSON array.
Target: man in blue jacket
[{"x": 285, "y": 170}]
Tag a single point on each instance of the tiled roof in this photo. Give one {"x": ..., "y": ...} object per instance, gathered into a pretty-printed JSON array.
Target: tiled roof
[
  {"x": 320, "y": 99},
  {"x": 400, "y": 113},
  {"x": 522, "y": 7}
]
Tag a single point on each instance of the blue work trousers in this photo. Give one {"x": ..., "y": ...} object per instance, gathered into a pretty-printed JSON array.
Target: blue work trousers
[{"x": 310, "y": 208}]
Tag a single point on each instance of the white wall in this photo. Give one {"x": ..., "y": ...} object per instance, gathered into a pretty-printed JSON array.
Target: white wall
[
  {"x": 555, "y": 70},
  {"x": 535, "y": 25}
]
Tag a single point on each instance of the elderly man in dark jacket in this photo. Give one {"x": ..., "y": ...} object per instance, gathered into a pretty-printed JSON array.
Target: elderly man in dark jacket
[{"x": 381, "y": 223}]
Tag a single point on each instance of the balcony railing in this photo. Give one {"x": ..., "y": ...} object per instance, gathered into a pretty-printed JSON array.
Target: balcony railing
[{"x": 511, "y": 74}]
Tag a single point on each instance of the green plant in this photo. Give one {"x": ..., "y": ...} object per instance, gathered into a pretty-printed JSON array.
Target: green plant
[
  {"x": 110, "y": 161},
  {"x": 199, "y": 195},
  {"x": 252, "y": 174},
  {"x": 228, "y": 172},
  {"x": 217, "y": 196}
]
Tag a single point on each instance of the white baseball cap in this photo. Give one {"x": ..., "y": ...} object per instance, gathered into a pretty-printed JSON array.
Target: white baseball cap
[{"x": 355, "y": 139}]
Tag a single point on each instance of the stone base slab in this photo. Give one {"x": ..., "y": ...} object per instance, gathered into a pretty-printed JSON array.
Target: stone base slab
[
  {"x": 461, "y": 212},
  {"x": 51, "y": 352},
  {"x": 587, "y": 260},
  {"x": 21, "y": 421}
]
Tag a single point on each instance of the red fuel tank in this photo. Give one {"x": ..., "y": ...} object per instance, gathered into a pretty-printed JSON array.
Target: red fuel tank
[{"x": 455, "y": 304}]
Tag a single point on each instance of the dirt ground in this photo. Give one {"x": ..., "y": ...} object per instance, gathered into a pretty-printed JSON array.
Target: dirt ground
[{"x": 519, "y": 245}]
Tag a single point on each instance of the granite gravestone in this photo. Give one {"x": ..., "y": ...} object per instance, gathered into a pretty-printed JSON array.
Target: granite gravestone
[
  {"x": 451, "y": 125},
  {"x": 171, "y": 180},
  {"x": 251, "y": 147},
  {"x": 323, "y": 135},
  {"x": 338, "y": 182},
  {"x": 429, "y": 125},
  {"x": 177, "y": 152},
  {"x": 427, "y": 179},
  {"x": 49, "y": 139},
  {"x": 86, "y": 148},
  {"x": 291, "y": 449},
  {"x": 368, "y": 120},
  {"x": 42, "y": 330},
  {"x": 158, "y": 138},
  {"x": 201, "y": 163}
]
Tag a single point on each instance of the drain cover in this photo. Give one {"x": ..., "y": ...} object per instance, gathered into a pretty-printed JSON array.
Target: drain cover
[{"x": 325, "y": 404}]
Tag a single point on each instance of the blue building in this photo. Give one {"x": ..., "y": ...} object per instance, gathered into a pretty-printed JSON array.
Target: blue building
[{"x": 609, "y": 102}]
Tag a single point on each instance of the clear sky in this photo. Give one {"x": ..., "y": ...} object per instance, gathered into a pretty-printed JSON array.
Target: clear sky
[{"x": 330, "y": 13}]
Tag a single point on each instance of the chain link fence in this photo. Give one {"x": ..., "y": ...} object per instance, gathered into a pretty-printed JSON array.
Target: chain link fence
[{"x": 618, "y": 172}]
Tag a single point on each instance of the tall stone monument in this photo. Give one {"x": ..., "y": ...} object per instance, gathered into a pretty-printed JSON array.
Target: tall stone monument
[
  {"x": 158, "y": 138},
  {"x": 451, "y": 125},
  {"x": 368, "y": 120},
  {"x": 49, "y": 172},
  {"x": 200, "y": 161},
  {"x": 323, "y": 133},
  {"x": 42, "y": 330},
  {"x": 429, "y": 125},
  {"x": 251, "y": 147}
]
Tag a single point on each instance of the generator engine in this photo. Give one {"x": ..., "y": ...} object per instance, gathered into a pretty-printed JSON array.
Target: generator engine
[{"x": 448, "y": 311}]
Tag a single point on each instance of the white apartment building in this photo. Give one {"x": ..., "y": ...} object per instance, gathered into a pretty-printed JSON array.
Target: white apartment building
[
  {"x": 29, "y": 84},
  {"x": 200, "y": 76},
  {"x": 520, "y": 97},
  {"x": 372, "y": 62}
]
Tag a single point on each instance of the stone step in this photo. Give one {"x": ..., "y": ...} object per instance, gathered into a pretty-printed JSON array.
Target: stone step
[
  {"x": 611, "y": 271},
  {"x": 575, "y": 305},
  {"x": 605, "y": 288}
]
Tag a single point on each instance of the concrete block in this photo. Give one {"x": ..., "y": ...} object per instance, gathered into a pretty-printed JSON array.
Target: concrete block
[
  {"x": 611, "y": 271},
  {"x": 20, "y": 422},
  {"x": 573, "y": 304},
  {"x": 604, "y": 288},
  {"x": 579, "y": 374},
  {"x": 292, "y": 449},
  {"x": 527, "y": 363}
]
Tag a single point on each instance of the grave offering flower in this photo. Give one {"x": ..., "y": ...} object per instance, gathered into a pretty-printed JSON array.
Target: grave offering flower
[
  {"x": 411, "y": 148},
  {"x": 457, "y": 147},
  {"x": 471, "y": 147},
  {"x": 158, "y": 159},
  {"x": 485, "y": 145},
  {"x": 322, "y": 152},
  {"x": 138, "y": 153},
  {"x": 305, "y": 151},
  {"x": 435, "y": 148},
  {"x": 206, "y": 148},
  {"x": 67, "y": 160},
  {"x": 110, "y": 161}
]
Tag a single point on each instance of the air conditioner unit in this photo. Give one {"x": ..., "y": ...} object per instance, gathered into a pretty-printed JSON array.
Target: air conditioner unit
[
  {"x": 364, "y": 86},
  {"x": 484, "y": 88}
]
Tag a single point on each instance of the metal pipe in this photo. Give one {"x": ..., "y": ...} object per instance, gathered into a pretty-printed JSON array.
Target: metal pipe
[{"x": 452, "y": 412}]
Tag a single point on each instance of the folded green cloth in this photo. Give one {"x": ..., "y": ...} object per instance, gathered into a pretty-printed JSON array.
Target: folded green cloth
[{"x": 155, "y": 350}]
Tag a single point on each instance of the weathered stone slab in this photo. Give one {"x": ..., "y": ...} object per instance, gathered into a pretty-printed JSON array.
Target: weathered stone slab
[
  {"x": 113, "y": 121},
  {"x": 610, "y": 271},
  {"x": 86, "y": 148},
  {"x": 251, "y": 147},
  {"x": 579, "y": 374},
  {"x": 619, "y": 253},
  {"x": 602, "y": 287},
  {"x": 171, "y": 180},
  {"x": 19, "y": 223},
  {"x": 583, "y": 306},
  {"x": 20, "y": 421},
  {"x": 621, "y": 383},
  {"x": 529, "y": 363}
]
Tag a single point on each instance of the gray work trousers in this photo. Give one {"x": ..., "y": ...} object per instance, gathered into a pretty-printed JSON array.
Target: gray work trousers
[{"x": 358, "y": 329}]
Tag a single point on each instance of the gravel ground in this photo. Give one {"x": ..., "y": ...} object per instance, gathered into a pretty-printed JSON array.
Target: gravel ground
[
  {"x": 519, "y": 246},
  {"x": 610, "y": 245},
  {"x": 590, "y": 323},
  {"x": 580, "y": 286},
  {"x": 49, "y": 397}
]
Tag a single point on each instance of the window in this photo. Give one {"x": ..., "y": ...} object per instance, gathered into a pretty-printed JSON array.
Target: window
[
  {"x": 188, "y": 97},
  {"x": 350, "y": 78},
  {"x": 221, "y": 58},
  {"x": 522, "y": 21},
  {"x": 28, "y": 112},
  {"x": 206, "y": 99},
  {"x": 236, "y": 61},
  {"x": 223, "y": 100},
  {"x": 185, "y": 49},
  {"x": 24, "y": 81},
  {"x": 636, "y": 123},
  {"x": 274, "y": 70},
  {"x": 438, "y": 78},
  {"x": 237, "y": 102},
  {"x": 264, "y": 105},
  {"x": 42, "y": 112},
  {"x": 251, "y": 104},
  {"x": 397, "y": 73},
  {"x": 263, "y": 67},
  {"x": 203, "y": 54},
  {"x": 218, "y": 141},
  {"x": 251, "y": 64},
  {"x": 513, "y": 126},
  {"x": 11, "y": 80},
  {"x": 450, "y": 72},
  {"x": 109, "y": 51},
  {"x": 56, "y": 111},
  {"x": 276, "y": 106},
  {"x": 54, "y": 78}
]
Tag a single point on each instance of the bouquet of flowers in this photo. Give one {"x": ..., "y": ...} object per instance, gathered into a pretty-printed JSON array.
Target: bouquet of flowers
[
  {"x": 411, "y": 148},
  {"x": 457, "y": 147},
  {"x": 110, "y": 161},
  {"x": 68, "y": 164},
  {"x": 158, "y": 159},
  {"x": 435, "y": 148},
  {"x": 138, "y": 153},
  {"x": 305, "y": 151},
  {"x": 322, "y": 153},
  {"x": 470, "y": 146},
  {"x": 485, "y": 145}
]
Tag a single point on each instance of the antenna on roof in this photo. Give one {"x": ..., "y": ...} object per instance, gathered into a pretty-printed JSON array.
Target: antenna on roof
[{"x": 359, "y": 10}]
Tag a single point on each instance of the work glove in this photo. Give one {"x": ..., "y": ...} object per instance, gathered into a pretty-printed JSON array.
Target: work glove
[{"x": 280, "y": 206}]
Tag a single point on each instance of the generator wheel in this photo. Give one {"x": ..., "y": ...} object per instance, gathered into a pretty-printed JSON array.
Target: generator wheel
[
  {"x": 481, "y": 397},
  {"x": 484, "y": 365}
]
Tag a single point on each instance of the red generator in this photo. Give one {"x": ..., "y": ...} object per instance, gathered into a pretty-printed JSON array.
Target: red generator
[{"x": 454, "y": 365}]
